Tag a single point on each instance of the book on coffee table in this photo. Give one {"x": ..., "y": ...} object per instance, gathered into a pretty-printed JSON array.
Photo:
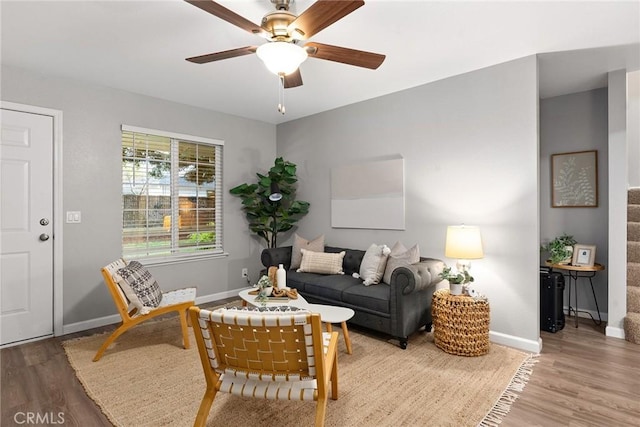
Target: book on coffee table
[{"x": 285, "y": 298}]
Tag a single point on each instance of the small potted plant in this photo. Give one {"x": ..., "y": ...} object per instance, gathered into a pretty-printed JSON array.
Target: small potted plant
[
  {"x": 560, "y": 249},
  {"x": 456, "y": 280},
  {"x": 265, "y": 287}
]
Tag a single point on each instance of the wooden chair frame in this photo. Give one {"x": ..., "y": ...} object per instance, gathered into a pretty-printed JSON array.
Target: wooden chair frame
[
  {"x": 130, "y": 317},
  {"x": 218, "y": 354}
]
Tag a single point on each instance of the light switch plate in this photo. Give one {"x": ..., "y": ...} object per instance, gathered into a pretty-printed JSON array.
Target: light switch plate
[{"x": 74, "y": 217}]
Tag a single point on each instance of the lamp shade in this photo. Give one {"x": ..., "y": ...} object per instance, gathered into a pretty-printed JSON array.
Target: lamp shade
[
  {"x": 281, "y": 57},
  {"x": 463, "y": 242}
]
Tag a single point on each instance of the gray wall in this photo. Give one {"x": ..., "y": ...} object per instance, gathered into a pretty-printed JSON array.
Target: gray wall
[
  {"x": 470, "y": 145},
  {"x": 577, "y": 122},
  {"x": 92, "y": 117}
]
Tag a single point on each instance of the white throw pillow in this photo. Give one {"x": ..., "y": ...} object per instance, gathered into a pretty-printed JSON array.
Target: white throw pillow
[
  {"x": 400, "y": 257},
  {"x": 373, "y": 264},
  {"x": 299, "y": 243},
  {"x": 321, "y": 262}
]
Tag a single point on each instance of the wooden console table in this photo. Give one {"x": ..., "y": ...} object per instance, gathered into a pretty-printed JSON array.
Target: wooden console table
[{"x": 574, "y": 272}]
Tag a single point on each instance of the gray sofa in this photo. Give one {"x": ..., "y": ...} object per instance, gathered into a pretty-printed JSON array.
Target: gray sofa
[{"x": 398, "y": 308}]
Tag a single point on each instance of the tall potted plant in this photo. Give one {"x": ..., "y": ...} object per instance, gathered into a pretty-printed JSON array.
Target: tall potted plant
[{"x": 268, "y": 217}]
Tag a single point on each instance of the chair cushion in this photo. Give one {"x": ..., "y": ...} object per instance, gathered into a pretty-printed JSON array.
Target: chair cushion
[
  {"x": 321, "y": 262},
  {"x": 299, "y": 243},
  {"x": 178, "y": 296},
  {"x": 139, "y": 286}
]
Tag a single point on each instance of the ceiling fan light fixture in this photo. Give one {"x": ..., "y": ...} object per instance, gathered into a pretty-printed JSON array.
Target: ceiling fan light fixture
[{"x": 281, "y": 58}]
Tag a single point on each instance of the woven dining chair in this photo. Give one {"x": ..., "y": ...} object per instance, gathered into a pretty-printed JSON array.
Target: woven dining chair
[
  {"x": 178, "y": 300},
  {"x": 265, "y": 355}
]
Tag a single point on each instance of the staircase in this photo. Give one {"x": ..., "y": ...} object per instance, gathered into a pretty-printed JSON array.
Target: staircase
[{"x": 632, "y": 320}]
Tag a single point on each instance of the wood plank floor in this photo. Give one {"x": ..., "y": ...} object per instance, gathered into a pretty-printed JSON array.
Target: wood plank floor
[{"x": 582, "y": 378}]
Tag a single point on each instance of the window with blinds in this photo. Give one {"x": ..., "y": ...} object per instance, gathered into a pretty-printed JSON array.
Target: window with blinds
[{"x": 171, "y": 194}]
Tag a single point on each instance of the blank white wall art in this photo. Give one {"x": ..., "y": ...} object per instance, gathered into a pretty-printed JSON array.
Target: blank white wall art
[{"x": 368, "y": 195}]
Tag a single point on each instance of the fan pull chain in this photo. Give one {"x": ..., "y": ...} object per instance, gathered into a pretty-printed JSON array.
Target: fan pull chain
[{"x": 281, "y": 108}]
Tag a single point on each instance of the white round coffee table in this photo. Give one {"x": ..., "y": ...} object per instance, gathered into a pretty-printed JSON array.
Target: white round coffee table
[
  {"x": 333, "y": 314},
  {"x": 328, "y": 313}
]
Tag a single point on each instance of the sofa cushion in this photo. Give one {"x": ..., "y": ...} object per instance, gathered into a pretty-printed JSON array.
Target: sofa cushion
[
  {"x": 352, "y": 258},
  {"x": 330, "y": 287},
  {"x": 299, "y": 243},
  {"x": 373, "y": 264},
  {"x": 400, "y": 257},
  {"x": 321, "y": 262},
  {"x": 374, "y": 298},
  {"x": 299, "y": 280}
]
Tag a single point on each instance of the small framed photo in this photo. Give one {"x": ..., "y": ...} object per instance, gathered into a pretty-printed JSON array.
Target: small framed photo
[{"x": 583, "y": 255}]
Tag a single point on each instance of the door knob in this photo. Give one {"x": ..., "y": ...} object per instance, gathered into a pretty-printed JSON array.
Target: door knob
[{"x": 44, "y": 237}]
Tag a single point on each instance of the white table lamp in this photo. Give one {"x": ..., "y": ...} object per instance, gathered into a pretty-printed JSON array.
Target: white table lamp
[{"x": 463, "y": 243}]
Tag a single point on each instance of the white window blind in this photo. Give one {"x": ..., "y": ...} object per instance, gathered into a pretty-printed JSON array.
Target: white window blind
[{"x": 171, "y": 194}]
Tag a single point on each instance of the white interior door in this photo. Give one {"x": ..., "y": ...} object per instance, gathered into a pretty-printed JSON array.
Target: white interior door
[{"x": 26, "y": 226}]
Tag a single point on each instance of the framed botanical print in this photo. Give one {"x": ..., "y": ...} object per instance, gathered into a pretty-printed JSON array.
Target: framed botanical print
[{"x": 574, "y": 179}]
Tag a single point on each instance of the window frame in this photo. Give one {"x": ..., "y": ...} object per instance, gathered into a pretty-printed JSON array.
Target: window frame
[{"x": 176, "y": 255}]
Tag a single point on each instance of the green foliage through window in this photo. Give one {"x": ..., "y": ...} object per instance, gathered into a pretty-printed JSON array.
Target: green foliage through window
[{"x": 171, "y": 201}]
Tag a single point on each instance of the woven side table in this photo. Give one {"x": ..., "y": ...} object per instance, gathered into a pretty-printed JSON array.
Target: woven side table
[{"x": 460, "y": 323}]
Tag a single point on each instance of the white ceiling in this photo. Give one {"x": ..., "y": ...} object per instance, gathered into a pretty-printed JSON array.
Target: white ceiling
[{"x": 141, "y": 47}]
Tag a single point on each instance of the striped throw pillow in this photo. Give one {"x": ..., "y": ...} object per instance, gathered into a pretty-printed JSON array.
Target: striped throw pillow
[{"x": 321, "y": 262}]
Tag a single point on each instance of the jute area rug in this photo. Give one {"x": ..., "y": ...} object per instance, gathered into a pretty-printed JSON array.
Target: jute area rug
[{"x": 148, "y": 379}]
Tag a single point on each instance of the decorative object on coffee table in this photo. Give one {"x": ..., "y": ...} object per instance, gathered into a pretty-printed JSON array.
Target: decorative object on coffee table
[
  {"x": 281, "y": 277},
  {"x": 461, "y": 323},
  {"x": 264, "y": 289}
]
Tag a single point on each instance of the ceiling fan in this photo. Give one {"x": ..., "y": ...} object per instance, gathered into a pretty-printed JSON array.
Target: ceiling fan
[{"x": 285, "y": 31}]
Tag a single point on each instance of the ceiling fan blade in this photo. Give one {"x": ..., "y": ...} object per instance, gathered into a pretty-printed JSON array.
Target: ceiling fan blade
[
  {"x": 359, "y": 58},
  {"x": 293, "y": 80},
  {"x": 210, "y": 57},
  {"x": 320, "y": 15},
  {"x": 225, "y": 14}
]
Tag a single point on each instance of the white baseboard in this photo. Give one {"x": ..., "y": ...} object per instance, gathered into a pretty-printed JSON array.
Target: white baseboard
[
  {"x": 220, "y": 295},
  {"x": 611, "y": 331},
  {"x": 115, "y": 318},
  {"x": 90, "y": 324},
  {"x": 530, "y": 346}
]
